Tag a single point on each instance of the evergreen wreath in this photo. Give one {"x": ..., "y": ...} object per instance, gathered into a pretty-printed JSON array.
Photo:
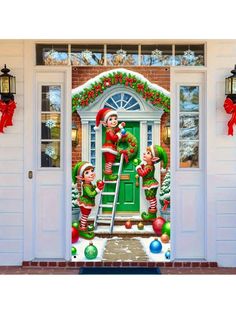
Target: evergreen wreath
[{"x": 132, "y": 146}]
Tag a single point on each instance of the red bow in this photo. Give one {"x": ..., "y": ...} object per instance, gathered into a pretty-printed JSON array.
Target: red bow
[
  {"x": 118, "y": 78},
  {"x": 7, "y": 110},
  {"x": 140, "y": 88},
  {"x": 129, "y": 81},
  {"x": 166, "y": 204},
  {"x": 230, "y": 108},
  {"x": 125, "y": 153}
]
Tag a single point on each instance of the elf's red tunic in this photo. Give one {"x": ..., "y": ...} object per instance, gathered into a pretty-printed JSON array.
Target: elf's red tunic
[{"x": 109, "y": 148}]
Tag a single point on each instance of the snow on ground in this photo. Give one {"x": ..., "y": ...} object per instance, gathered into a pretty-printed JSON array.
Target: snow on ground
[
  {"x": 100, "y": 244},
  {"x": 120, "y": 229},
  {"x": 158, "y": 257}
]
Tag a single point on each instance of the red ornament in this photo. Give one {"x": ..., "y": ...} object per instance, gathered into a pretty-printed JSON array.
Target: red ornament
[
  {"x": 133, "y": 144},
  {"x": 230, "y": 108},
  {"x": 74, "y": 235},
  {"x": 128, "y": 224},
  {"x": 157, "y": 225},
  {"x": 131, "y": 150},
  {"x": 129, "y": 140}
]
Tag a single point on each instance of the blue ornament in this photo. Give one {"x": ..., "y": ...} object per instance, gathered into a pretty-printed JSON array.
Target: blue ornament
[
  {"x": 155, "y": 246},
  {"x": 167, "y": 254},
  {"x": 123, "y": 131}
]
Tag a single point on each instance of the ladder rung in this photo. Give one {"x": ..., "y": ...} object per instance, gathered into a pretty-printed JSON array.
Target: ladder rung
[
  {"x": 105, "y": 222},
  {"x": 111, "y": 181},
  {"x": 106, "y": 205},
  {"x": 116, "y": 164},
  {"x": 108, "y": 193},
  {"x": 106, "y": 217}
]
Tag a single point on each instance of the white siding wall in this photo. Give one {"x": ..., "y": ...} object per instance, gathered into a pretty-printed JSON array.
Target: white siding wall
[
  {"x": 11, "y": 163},
  {"x": 221, "y": 155}
]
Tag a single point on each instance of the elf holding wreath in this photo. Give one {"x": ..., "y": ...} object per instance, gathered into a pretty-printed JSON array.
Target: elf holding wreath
[
  {"x": 84, "y": 172},
  {"x": 109, "y": 119},
  {"x": 154, "y": 154}
]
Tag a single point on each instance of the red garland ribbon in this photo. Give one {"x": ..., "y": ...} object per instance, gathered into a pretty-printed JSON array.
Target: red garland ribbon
[
  {"x": 7, "y": 110},
  {"x": 140, "y": 88},
  {"x": 230, "y": 108},
  {"x": 166, "y": 204},
  {"x": 129, "y": 81},
  {"x": 125, "y": 153},
  {"x": 107, "y": 82},
  {"x": 91, "y": 94}
]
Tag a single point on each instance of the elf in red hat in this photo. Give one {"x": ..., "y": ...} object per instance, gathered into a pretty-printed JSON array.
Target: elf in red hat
[{"x": 109, "y": 119}]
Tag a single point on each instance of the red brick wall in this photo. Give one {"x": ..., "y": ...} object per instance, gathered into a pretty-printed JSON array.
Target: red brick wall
[{"x": 80, "y": 75}]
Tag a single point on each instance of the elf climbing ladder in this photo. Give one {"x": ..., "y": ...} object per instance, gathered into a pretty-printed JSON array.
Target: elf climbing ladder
[{"x": 109, "y": 219}]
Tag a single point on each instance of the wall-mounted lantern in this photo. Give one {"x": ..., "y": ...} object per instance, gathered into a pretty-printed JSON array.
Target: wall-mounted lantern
[
  {"x": 7, "y": 85},
  {"x": 166, "y": 132},
  {"x": 229, "y": 104},
  {"x": 74, "y": 134}
]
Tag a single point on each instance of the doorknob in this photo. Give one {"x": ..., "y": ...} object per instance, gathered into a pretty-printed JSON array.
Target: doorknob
[
  {"x": 30, "y": 174},
  {"x": 137, "y": 180}
]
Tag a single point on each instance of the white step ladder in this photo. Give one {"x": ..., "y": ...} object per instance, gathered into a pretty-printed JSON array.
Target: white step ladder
[{"x": 109, "y": 219}]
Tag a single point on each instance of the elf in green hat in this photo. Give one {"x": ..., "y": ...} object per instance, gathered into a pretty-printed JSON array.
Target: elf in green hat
[
  {"x": 84, "y": 172},
  {"x": 154, "y": 154}
]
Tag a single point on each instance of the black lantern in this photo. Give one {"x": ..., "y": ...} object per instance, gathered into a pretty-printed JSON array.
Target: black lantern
[
  {"x": 74, "y": 134},
  {"x": 7, "y": 85},
  {"x": 166, "y": 133},
  {"x": 230, "y": 85}
]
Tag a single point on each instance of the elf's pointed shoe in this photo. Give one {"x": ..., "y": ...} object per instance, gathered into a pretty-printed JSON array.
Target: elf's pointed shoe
[
  {"x": 111, "y": 177},
  {"x": 86, "y": 233},
  {"x": 149, "y": 215}
]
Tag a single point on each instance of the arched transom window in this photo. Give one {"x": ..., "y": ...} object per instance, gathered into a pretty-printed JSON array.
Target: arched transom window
[{"x": 122, "y": 101}]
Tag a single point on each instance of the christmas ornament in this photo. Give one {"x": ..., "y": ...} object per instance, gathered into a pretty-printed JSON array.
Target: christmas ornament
[
  {"x": 132, "y": 147},
  {"x": 157, "y": 225},
  {"x": 75, "y": 224},
  {"x": 155, "y": 246},
  {"x": 123, "y": 131},
  {"x": 91, "y": 251},
  {"x": 165, "y": 238},
  {"x": 86, "y": 94},
  {"x": 73, "y": 250},
  {"x": 167, "y": 254},
  {"x": 140, "y": 225},
  {"x": 74, "y": 234},
  {"x": 128, "y": 224},
  {"x": 166, "y": 228}
]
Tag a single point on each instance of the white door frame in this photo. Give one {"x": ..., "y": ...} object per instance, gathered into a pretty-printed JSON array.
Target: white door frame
[{"x": 30, "y": 120}]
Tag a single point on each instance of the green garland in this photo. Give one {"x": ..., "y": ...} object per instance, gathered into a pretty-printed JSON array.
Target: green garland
[
  {"x": 132, "y": 146},
  {"x": 88, "y": 95}
]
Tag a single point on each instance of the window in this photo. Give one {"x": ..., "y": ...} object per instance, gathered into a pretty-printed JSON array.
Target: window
[
  {"x": 121, "y": 55},
  {"x": 50, "y": 136},
  {"x": 149, "y": 134},
  {"x": 122, "y": 102},
  {"x": 92, "y": 144},
  {"x": 189, "y": 126}
]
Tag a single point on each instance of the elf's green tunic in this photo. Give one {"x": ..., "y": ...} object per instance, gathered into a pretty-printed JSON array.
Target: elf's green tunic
[
  {"x": 87, "y": 199},
  {"x": 150, "y": 184}
]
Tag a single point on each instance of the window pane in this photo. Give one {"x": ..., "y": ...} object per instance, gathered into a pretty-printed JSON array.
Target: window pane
[
  {"x": 51, "y": 98},
  {"x": 189, "y": 127},
  {"x": 122, "y": 55},
  {"x": 156, "y": 55},
  {"x": 50, "y": 154},
  {"x": 50, "y": 126},
  {"x": 189, "y": 98},
  {"x": 51, "y": 54},
  {"x": 189, "y": 154},
  {"x": 87, "y": 55},
  {"x": 186, "y": 55}
]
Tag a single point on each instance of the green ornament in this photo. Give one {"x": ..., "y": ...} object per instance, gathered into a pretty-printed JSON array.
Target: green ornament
[
  {"x": 75, "y": 224},
  {"x": 91, "y": 251},
  {"x": 73, "y": 251},
  {"x": 166, "y": 228}
]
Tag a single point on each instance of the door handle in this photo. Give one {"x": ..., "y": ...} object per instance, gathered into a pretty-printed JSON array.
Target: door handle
[
  {"x": 30, "y": 174},
  {"x": 137, "y": 180}
]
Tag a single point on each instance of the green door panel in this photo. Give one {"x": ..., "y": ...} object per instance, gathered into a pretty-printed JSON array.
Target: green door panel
[{"x": 128, "y": 199}]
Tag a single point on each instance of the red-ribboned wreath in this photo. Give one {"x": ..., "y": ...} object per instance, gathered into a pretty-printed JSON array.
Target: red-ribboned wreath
[{"x": 7, "y": 111}]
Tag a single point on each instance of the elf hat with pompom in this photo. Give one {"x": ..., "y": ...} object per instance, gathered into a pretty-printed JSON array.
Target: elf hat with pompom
[
  {"x": 103, "y": 115},
  {"x": 158, "y": 151},
  {"x": 79, "y": 168}
]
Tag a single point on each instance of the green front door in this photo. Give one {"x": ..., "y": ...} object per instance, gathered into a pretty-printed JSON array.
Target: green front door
[{"x": 128, "y": 200}]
